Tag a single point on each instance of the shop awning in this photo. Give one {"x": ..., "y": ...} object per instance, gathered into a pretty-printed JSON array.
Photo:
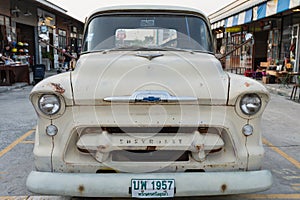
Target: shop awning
[
  {"x": 259, "y": 10},
  {"x": 273, "y": 7},
  {"x": 239, "y": 19}
]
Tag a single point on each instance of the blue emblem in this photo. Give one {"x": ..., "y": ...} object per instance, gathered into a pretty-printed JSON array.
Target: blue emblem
[{"x": 151, "y": 99}]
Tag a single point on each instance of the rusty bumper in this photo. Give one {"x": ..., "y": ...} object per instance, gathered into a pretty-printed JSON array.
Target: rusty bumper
[{"x": 117, "y": 185}]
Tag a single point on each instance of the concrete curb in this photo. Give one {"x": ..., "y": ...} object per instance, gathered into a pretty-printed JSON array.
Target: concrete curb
[
  {"x": 21, "y": 85},
  {"x": 278, "y": 91},
  {"x": 12, "y": 87}
]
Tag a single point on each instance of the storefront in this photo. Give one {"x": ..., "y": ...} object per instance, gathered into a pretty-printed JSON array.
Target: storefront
[
  {"x": 21, "y": 26},
  {"x": 274, "y": 25},
  {"x": 46, "y": 25}
]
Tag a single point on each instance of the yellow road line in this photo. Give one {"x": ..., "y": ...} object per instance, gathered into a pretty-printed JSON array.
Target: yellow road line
[
  {"x": 283, "y": 154},
  {"x": 14, "y": 198},
  {"x": 27, "y": 142},
  {"x": 271, "y": 196},
  {"x": 12, "y": 145}
]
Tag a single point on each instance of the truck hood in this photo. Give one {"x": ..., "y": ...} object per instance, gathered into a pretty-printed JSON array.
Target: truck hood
[{"x": 149, "y": 76}]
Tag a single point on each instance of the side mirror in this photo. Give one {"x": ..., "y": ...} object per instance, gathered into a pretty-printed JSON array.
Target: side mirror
[
  {"x": 249, "y": 38},
  {"x": 44, "y": 40}
]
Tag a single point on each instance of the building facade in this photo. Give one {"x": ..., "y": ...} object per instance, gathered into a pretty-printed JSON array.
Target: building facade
[
  {"x": 21, "y": 23},
  {"x": 274, "y": 25}
]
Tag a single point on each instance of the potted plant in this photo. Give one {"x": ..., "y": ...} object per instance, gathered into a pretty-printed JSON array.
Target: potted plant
[{"x": 47, "y": 59}]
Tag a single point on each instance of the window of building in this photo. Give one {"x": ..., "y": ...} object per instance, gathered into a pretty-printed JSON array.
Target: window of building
[
  {"x": 62, "y": 38},
  {"x": 273, "y": 46},
  {"x": 5, "y": 30}
]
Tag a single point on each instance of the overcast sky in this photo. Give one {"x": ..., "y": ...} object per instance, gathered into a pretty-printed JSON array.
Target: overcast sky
[{"x": 81, "y": 8}]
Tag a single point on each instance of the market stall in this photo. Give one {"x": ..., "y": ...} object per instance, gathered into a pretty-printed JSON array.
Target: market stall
[
  {"x": 16, "y": 68},
  {"x": 13, "y": 73}
]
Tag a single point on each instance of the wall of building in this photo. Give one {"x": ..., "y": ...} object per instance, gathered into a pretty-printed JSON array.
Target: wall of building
[
  {"x": 5, "y": 7},
  {"x": 22, "y": 23}
]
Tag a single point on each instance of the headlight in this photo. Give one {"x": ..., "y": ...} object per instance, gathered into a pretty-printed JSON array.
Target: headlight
[
  {"x": 250, "y": 104},
  {"x": 49, "y": 104}
]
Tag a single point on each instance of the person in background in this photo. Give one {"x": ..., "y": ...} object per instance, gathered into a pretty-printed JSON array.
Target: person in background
[
  {"x": 6, "y": 53},
  {"x": 68, "y": 58},
  {"x": 5, "y": 56}
]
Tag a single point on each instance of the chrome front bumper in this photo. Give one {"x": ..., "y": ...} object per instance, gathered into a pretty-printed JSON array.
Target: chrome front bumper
[{"x": 118, "y": 184}]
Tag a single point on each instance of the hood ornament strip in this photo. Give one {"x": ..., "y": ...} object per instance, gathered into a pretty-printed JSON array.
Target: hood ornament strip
[
  {"x": 149, "y": 56},
  {"x": 149, "y": 96}
]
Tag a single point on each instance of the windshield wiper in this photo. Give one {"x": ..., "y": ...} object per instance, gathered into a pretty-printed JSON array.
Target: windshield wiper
[
  {"x": 174, "y": 49},
  {"x": 131, "y": 48}
]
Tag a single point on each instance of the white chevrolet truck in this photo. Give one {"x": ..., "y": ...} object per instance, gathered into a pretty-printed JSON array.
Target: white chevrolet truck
[{"x": 148, "y": 112}]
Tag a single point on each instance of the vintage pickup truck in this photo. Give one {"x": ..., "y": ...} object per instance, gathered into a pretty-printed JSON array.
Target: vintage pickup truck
[{"x": 148, "y": 112}]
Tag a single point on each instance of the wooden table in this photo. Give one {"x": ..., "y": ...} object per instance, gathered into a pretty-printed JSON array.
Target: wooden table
[
  {"x": 283, "y": 77},
  {"x": 290, "y": 75},
  {"x": 14, "y": 73}
]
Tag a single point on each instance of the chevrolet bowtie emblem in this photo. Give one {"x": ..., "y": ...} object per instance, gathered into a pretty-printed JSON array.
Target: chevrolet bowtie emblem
[{"x": 151, "y": 99}]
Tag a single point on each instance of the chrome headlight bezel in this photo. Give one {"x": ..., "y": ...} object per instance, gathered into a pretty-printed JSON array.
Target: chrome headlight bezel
[
  {"x": 59, "y": 110},
  {"x": 49, "y": 104},
  {"x": 250, "y": 104}
]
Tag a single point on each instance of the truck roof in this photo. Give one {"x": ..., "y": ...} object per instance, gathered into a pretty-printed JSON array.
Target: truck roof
[{"x": 149, "y": 8}]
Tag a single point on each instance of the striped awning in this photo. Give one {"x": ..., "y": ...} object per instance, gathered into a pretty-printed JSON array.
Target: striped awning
[
  {"x": 239, "y": 19},
  {"x": 265, "y": 9},
  {"x": 273, "y": 7},
  {"x": 218, "y": 24}
]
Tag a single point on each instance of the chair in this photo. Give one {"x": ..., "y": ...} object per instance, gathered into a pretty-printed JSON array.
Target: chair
[
  {"x": 257, "y": 75},
  {"x": 295, "y": 88}
]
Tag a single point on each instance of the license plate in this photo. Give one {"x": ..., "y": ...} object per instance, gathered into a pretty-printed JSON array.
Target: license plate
[{"x": 152, "y": 188}]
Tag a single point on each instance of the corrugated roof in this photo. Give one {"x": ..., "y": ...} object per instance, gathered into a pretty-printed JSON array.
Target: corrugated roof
[{"x": 52, "y": 6}]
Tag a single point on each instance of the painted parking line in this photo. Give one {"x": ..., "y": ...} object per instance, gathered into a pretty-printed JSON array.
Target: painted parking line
[
  {"x": 283, "y": 154},
  {"x": 27, "y": 142},
  {"x": 14, "y": 198},
  {"x": 16, "y": 142},
  {"x": 34, "y": 198}
]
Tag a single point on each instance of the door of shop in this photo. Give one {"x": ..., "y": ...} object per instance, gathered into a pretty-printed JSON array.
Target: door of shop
[
  {"x": 294, "y": 48},
  {"x": 260, "y": 48}
]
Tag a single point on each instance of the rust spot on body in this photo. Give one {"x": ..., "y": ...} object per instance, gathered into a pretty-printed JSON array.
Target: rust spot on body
[
  {"x": 151, "y": 148},
  {"x": 102, "y": 147},
  {"x": 247, "y": 84},
  {"x": 223, "y": 188},
  {"x": 199, "y": 147},
  {"x": 58, "y": 88},
  {"x": 81, "y": 189}
]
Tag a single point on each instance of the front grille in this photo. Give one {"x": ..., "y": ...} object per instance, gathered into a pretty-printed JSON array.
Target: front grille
[
  {"x": 153, "y": 129},
  {"x": 150, "y": 156},
  {"x": 151, "y": 144},
  {"x": 96, "y": 155}
]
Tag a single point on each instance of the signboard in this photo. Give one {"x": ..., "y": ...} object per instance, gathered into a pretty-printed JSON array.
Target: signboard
[
  {"x": 44, "y": 29},
  {"x": 233, "y": 29}
]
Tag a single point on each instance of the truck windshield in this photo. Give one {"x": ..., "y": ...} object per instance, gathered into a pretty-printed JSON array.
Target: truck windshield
[{"x": 148, "y": 31}]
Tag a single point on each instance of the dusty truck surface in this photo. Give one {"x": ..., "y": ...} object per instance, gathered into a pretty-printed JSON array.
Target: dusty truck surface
[{"x": 148, "y": 112}]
